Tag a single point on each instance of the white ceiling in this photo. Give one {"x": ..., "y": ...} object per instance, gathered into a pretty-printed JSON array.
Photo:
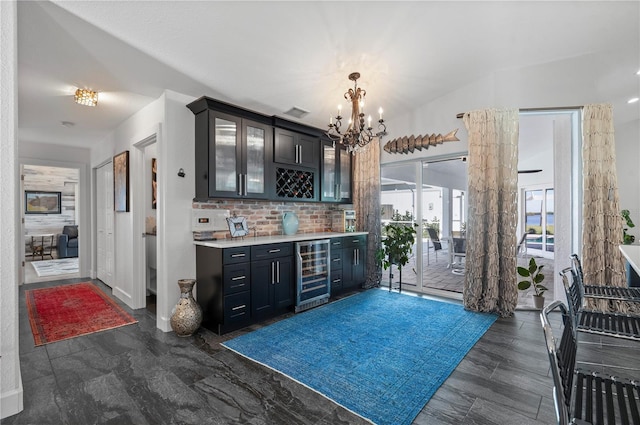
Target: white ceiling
[{"x": 271, "y": 56}]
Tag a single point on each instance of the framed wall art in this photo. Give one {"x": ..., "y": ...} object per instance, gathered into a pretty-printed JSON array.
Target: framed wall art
[
  {"x": 238, "y": 226},
  {"x": 154, "y": 183},
  {"x": 121, "y": 182},
  {"x": 42, "y": 202}
]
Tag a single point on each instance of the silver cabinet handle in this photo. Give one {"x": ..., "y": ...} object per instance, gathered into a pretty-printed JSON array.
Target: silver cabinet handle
[
  {"x": 273, "y": 273},
  {"x": 246, "y": 190},
  {"x": 278, "y": 271},
  {"x": 242, "y": 254},
  {"x": 238, "y": 307},
  {"x": 272, "y": 251},
  {"x": 239, "y": 278},
  {"x": 242, "y": 185},
  {"x": 300, "y": 154}
]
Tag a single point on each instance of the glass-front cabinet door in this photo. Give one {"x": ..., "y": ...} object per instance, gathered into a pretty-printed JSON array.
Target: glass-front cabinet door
[
  {"x": 344, "y": 185},
  {"x": 329, "y": 172},
  {"x": 336, "y": 173},
  {"x": 256, "y": 142},
  {"x": 237, "y": 156},
  {"x": 225, "y": 148}
]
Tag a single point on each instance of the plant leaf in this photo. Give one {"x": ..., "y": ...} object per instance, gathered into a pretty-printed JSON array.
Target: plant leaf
[
  {"x": 523, "y": 272},
  {"x": 523, "y": 285},
  {"x": 539, "y": 278}
]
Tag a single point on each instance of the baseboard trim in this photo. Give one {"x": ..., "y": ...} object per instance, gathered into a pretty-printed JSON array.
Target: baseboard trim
[
  {"x": 164, "y": 324},
  {"x": 124, "y": 297},
  {"x": 11, "y": 402}
]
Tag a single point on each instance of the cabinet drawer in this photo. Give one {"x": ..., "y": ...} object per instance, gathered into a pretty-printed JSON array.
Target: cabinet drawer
[
  {"x": 335, "y": 260},
  {"x": 237, "y": 307},
  {"x": 354, "y": 241},
  {"x": 265, "y": 252},
  {"x": 336, "y": 281},
  {"x": 235, "y": 255},
  {"x": 237, "y": 278},
  {"x": 336, "y": 243}
]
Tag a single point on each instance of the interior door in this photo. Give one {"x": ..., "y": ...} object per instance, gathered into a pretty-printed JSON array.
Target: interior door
[{"x": 104, "y": 210}]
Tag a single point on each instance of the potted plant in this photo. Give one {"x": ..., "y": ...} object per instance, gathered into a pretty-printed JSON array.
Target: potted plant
[
  {"x": 534, "y": 279},
  {"x": 396, "y": 247},
  {"x": 626, "y": 238}
]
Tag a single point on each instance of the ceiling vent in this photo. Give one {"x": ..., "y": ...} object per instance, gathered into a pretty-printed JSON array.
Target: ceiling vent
[{"x": 297, "y": 112}]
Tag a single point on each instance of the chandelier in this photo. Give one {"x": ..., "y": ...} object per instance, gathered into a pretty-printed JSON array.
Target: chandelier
[{"x": 357, "y": 134}]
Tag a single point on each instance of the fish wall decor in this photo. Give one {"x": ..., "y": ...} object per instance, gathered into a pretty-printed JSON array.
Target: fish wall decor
[{"x": 411, "y": 143}]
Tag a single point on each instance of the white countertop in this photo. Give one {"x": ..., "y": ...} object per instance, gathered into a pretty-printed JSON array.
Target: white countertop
[
  {"x": 263, "y": 240},
  {"x": 632, "y": 254}
]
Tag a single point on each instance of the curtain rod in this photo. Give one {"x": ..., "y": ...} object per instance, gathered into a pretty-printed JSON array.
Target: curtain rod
[{"x": 461, "y": 114}]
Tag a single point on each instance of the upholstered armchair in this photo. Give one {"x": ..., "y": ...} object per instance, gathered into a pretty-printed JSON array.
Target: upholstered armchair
[{"x": 68, "y": 242}]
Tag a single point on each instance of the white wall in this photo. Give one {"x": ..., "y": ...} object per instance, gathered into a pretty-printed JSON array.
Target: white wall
[
  {"x": 176, "y": 252},
  {"x": 571, "y": 82},
  {"x": 628, "y": 166},
  {"x": 136, "y": 128},
  {"x": 10, "y": 380},
  {"x": 174, "y": 126}
]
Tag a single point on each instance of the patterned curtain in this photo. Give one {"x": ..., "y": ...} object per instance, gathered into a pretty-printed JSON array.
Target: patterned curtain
[
  {"x": 602, "y": 261},
  {"x": 366, "y": 203},
  {"x": 490, "y": 273}
]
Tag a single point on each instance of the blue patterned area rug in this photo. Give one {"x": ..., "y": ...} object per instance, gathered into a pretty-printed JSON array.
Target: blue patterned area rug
[
  {"x": 380, "y": 354},
  {"x": 56, "y": 267}
]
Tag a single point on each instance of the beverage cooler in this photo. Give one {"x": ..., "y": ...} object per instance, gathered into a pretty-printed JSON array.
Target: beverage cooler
[{"x": 312, "y": 270}]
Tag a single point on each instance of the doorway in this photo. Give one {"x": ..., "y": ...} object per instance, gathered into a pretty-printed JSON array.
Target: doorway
[
  {"x": 50, "y": 206},
  {"x": 104, "y": 223}
]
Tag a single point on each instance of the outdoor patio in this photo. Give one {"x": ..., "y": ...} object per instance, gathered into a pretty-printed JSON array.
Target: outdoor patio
[{"x": 438, "y": 275}]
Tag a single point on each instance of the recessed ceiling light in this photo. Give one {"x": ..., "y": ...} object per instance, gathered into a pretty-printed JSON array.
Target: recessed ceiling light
[{"x": 633, "y": 100}]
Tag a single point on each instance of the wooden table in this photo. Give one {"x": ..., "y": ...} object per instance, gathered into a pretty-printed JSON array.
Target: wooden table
[{"x": 38, "y": 245}]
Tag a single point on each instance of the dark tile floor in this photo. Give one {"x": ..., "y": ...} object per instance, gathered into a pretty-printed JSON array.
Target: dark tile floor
[{"x": 137, "y": 374}]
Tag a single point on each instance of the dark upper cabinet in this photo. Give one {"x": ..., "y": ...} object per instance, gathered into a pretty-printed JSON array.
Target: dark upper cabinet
[
  {"x": 336, "y": 173},
  {"x": 244, "y": 154},
  {"x": 295, "y": 148},
  {"x": 233, "y": 151}
]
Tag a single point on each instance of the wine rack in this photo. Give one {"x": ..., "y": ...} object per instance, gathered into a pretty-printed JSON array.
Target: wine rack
[{"x": 294, "y": 184}]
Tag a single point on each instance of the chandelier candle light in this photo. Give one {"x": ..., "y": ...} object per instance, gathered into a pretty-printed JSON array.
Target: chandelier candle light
[{"x": 357, "y": 134}]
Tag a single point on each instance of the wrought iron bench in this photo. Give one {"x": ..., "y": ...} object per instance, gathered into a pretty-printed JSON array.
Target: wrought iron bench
[
  {"x": 618, "y": 293},
  {"x": 617, "y": 325},
  {"x": 581, "y": 396}
]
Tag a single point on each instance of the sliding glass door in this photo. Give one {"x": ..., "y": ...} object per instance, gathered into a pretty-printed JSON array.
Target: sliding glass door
[{"x": 539, "y": 222}]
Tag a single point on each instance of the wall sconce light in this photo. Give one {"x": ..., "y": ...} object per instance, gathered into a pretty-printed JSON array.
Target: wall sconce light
[
  {"x": 86, "y": 97},
  {"x": 181, "y": 172}
]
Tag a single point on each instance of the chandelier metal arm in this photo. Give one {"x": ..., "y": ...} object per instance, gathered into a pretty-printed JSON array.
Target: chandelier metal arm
[{"x": 357, "y": 134}]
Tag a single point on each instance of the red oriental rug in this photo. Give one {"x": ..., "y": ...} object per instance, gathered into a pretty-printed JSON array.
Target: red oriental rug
[{"x": 68, "y": 311}]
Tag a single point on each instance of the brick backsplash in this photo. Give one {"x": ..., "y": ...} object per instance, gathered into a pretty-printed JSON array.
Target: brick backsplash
[{"x": 264, "y": 218}]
